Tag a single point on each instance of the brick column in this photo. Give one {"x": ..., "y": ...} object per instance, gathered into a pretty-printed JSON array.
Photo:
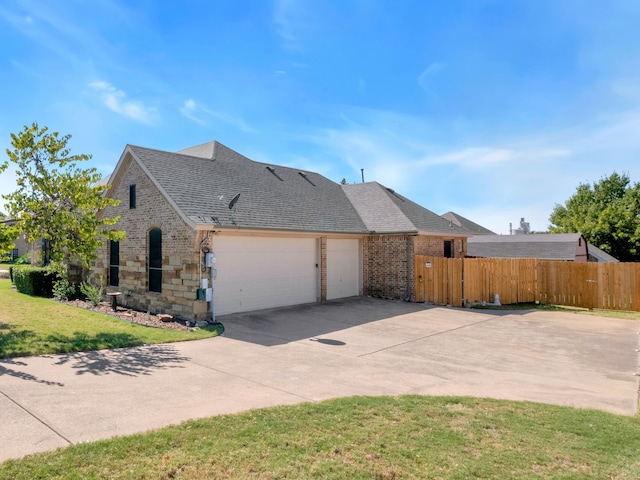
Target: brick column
[{"x": 323, "y": 269}]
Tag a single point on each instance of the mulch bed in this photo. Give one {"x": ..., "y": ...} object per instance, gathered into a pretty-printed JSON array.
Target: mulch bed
[{"x": 132, "y": 316}]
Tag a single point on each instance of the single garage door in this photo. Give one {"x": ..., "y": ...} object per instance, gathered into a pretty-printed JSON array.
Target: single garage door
[
  {"x": 261, "y": 272},
  {"x": 343, "y": 268}
]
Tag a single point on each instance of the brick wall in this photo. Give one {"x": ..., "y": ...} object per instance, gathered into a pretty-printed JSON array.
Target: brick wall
[
  {"x": 323, "y": 269},
  {"x": 180, "y": 250},
  {"x": 434, "y": 246},
  {"x": 385, "y": 269},
  {"x": 384, "y": 266}
]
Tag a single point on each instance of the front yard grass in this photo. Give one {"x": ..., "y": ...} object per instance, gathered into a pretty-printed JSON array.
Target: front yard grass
[
  {"x": 38, "y": 326},
  {"x": 408, "y": 437}
]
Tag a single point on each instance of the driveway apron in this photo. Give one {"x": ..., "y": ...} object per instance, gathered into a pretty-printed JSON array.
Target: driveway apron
[{"x": 357, "y": 346}]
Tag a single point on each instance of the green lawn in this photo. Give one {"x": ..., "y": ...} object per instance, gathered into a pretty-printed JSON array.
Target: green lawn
[
  {"x": 409, "y": 437},
  {"x": 37, "y": 326},
  {"x": 623, "y": 314}
]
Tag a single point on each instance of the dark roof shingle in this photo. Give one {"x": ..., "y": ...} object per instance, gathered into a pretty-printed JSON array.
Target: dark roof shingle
[
  {"x": 466, "y": 224},
  {"x": 385, "y": 211},
  {"x": 280, "y": 198},
  {"x": 551, "y": 246}
]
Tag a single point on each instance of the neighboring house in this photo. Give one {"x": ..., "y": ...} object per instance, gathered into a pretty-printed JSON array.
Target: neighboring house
[
  {"x": 528, "y": 245},
  {"x": 597, "y": 255},
  {"x": 466, "y": 224},
  {"x": 546, "y": 246},
  {"x": 280, "y": 236},
  {"x": 21, "y": 246}
]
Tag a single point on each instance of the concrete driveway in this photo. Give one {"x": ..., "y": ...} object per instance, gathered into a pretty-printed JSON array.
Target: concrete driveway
[{"x": 359, "y": 346}]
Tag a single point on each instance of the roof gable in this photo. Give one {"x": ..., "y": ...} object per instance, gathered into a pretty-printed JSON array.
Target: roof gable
[
  {"x": 271, "y": 197},
  {"x": 384, "y": 211},
  {"x": 466, "y": 224}
]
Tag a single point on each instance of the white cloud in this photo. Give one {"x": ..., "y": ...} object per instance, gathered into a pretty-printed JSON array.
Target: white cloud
[
  {"x": 55, "y": 29},
  {"x": 116, "y": 101},
  {"x": 431, "y": 71},
  {"x": 290, "y": 20},
  {"x": 521, "y": 175},
  {"x": 194, "y": 111},
  {"x": 189, "y": 109}
]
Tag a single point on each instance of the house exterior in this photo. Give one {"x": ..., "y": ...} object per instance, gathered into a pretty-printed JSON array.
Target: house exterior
[
  {"x": 523, "y": 244},
  {"x": 211, "y": 232},
  {"x": 546, "y": 246},
  {"x": 21, "y": 245}
]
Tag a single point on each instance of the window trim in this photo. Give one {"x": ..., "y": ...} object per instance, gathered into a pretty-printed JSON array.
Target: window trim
[
  {"x": 114, "y": 267},
  {"x": 132, "y": 196},
  {"x": 154, "y": 262}
]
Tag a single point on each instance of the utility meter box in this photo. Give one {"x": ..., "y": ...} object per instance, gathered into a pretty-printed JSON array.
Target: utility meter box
[{"x": 210, "y": 260}]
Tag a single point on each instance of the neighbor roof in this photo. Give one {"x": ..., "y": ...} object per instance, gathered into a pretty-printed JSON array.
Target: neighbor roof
[
  {"x": 600, "y": 255},
  {"x": 549, "y": 246},
  {"x": 271, "y": 197},
  {"x": 466, "y": 224},
  {"x": 384, "y": 211}
]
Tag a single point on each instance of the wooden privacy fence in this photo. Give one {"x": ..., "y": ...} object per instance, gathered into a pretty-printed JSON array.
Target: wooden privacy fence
[{"x": 520, "y": 280}]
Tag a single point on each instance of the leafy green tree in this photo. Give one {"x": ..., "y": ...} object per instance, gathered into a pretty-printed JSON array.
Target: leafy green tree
[
  {"x": 8, "y": 236},
  {"x": 607, "y": 213},
  {"x": 56, "y": 200}
]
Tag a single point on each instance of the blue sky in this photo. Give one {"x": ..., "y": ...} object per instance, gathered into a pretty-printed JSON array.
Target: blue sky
[{"x": 496, "y": 110}]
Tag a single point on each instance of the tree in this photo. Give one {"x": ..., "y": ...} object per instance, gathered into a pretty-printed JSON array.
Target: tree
[
  {"x": 607, "y": 214},
  {"x": 56, "y": 200},
  {"x": 8, "y": 235}
]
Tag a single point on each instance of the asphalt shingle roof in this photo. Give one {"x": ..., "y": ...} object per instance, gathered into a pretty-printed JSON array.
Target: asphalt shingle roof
[
  {"x": 600, "y": 255},
  {"x": 271, "y": 197},
  {"x": 384, "y": 211},
  {"x": 466, "y": 224},
  {"x": 551, "y": 246}
]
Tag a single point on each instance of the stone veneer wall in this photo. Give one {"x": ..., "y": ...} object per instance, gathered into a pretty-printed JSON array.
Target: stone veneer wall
[{"x": 180, "y": 251}]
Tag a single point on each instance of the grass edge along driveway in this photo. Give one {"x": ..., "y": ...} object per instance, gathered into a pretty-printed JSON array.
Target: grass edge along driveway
[
  {"x": 39, "y": 326},
  {"x": 406, "y": 437}
]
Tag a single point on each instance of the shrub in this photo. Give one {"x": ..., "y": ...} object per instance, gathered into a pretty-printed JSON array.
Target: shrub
[
  {"x": 34, "y": 281},
  {"x": 63, "y": 289},
  {"x": 23, "y": 260},
  {"x": 94, "y": 293}
]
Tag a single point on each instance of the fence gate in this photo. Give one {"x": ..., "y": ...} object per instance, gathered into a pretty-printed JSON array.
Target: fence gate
[{"x": 438, "y": 280}]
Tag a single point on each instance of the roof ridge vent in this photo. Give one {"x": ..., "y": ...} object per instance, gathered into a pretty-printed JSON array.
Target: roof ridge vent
[
  {"x": 273, "y": 170},
  {"x": 304, "y": 175}
]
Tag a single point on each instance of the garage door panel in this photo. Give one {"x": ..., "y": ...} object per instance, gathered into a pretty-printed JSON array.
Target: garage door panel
[
  {"x": 260, "y": 272},
  {"x": 343, "y": 268}
]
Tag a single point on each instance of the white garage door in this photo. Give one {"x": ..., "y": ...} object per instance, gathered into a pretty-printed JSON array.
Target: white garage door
[
  {"x": 343, "y": 268},
  {"x": 260, "y": 272}
]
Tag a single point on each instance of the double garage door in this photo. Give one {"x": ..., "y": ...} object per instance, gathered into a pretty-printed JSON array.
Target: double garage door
[{"x": 264, "y": 272}]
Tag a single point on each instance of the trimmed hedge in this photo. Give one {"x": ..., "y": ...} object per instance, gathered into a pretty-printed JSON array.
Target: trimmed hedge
[{"x": 35, "y": 281}]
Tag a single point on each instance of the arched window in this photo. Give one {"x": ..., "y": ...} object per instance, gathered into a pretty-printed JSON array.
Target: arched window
[{"x": 155, "y": 260}]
